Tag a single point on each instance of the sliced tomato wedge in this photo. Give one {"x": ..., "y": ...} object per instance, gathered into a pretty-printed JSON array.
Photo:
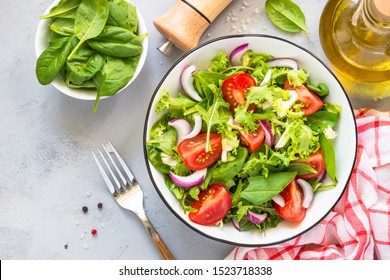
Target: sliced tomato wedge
[
  {"x": 193, "y": 151},
  {"x": 213, "y": 205},
  {"x": 292, "y": 210},
  {"x": 310, "y": 101},
  {"x": 235, "y": 88},
  {"x": 315, "y": 161},
  {"x": 252, "y": 140}
]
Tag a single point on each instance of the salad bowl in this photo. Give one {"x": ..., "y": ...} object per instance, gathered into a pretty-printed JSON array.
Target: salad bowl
[
  {"x": 345, "y": 144},
  {"x": 42, "y": 42}
]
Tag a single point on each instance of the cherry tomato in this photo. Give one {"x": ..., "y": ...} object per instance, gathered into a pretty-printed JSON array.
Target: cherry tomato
[
  {"x": 252, "y": 140},
  {"x": 193, "y": 151},
  {"x": 213, "y": 204},
  {"x": 235, "y": 88},
  {"x": 310, "y": 101},
  {"x": 316, "y": 161},
  {"x": 292, "y": 210}
]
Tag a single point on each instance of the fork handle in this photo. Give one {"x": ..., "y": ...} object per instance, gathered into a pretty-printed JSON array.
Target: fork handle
[{"x": 161, "y": 247}]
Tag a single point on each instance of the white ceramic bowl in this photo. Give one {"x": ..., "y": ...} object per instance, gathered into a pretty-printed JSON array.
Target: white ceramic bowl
[
  {"x": 345, "y": 144},
  {"x": 42, "y": 38}
]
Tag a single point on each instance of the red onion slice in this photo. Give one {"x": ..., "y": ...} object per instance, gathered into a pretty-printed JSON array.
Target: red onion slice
[
  {"x": 269, "y": 138},
  {"x": 235, "y": 55},
  {"x": 283, "y": 62},
  {"x": 322, "y": 177},
  {"x": 187, "y": 82},
  {"x": 182, "y": 127},
  {"x": 278, "y": 199},
  {"x": 189, "y": 181},
  {"x": 256, "y": 218},
  {"x": 197, "y": 127},
  {"x": 236, "y": 224},
  {"x": 308, "y": 193}
]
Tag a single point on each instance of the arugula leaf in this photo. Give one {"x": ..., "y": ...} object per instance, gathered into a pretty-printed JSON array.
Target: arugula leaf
[
  {"x": 286, "y": 15},
  {"x": 262, "y": 189}
]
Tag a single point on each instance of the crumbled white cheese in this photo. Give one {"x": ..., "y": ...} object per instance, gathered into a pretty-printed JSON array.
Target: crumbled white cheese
[{"x": 330, "y": 133}]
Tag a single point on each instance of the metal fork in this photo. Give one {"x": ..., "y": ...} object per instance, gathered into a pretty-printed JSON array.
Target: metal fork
[{"x": 126, "y": 190}]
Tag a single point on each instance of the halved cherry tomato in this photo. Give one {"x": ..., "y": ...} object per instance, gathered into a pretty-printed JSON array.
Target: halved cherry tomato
[
  {"x": 235, "y": 88},
  {"x": 292, "y": 210},
  {"x": 252, "y": 140},
  {"x": 213, "y": 204},
  {"x": 315, "y": 161},
  {"x": 193, "y": 151},
  {"x": 310, "y": 101}
]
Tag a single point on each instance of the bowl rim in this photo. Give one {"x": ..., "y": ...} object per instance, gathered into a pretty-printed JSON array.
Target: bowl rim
[
  {"x": 148, "y": 113},
  {"x": 86, "y": 93}
]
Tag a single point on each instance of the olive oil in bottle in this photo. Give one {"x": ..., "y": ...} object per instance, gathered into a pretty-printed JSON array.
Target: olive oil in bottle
[{"x": 355, "y": 37}]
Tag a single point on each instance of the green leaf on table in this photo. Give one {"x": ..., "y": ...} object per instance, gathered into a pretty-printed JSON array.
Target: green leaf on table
[{"x": 286, "y": 15}]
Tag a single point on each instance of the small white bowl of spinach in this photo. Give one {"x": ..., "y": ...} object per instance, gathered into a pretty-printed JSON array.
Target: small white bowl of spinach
[{"x": 90, "y": 49}]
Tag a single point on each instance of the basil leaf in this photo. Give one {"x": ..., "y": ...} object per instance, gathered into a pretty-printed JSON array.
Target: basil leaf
[
  {"x": 286, "y": 15},
  {"x": 52, "y": 59},
  {"x": 329, "y": 157},
  {"x": 262, "y": 189}
]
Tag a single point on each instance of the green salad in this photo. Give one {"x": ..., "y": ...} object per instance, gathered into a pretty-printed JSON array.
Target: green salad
[{"x": 248, "y": 141}]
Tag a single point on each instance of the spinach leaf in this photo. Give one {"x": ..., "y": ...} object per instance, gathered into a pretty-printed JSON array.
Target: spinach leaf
[
  {"x": 227, "y": 171},
  {"x": 91, "y": 18},
  {"x": 117, "y": 41},
  {"x": 63, "y": 26},
  {"x": 329, "y": 157},
  {"x": 83, "y": 65},
  {"x": 114, "y": 75},
  {"x": 203, "y": 80},
  {"x": 63, "y": 7},
  {"x": 123, "y": 14},
  {"x": 87, "y": 84},
  {"x": 262, "y": 189},
  {"x": 52, "y": 59},
  {"x": 286, "y": 15},
  {"x": 321, "y": 89}
]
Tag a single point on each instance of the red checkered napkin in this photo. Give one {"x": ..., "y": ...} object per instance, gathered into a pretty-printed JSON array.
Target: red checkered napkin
[{"x": 359, "y": 225}]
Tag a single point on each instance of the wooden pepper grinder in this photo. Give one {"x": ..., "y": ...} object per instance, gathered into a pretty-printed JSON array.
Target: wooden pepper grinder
[{"x": 185, "y": 22}]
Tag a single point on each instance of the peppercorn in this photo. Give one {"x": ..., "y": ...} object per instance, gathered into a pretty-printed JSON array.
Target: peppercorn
[
  {"x": 85, "y": 209},
  {"x": 100, "y": 205}
]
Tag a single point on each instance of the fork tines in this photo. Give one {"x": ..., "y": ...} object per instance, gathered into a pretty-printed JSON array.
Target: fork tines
[{"x": 115, "y": 172}]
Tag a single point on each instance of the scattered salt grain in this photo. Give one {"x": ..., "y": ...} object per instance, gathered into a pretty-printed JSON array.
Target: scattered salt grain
[
  {"x": 77, "y": 222},
  {"x": 85, "y": 246},
  {"x": 82, "y": 235},
  {"x": 257, "y": 10},
  {"x": 88, "y": 193}
]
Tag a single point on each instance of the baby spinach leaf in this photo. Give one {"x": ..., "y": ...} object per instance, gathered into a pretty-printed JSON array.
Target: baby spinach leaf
[
  {"x": 117, "y": 41},
  {"x": 286, "y": 15},
  {"x": 114, "y": 75},
  {"x": 83, "y": 65},
  {"x": 123, "y": 14},
  {"x": 63, "y": 7},
  {"x": 227, "y": 171},
  {"x": 52, "y": 59},
  {"x": 262, "y": 189},
  {"x": 329, "y": 157},
  {"x": 63, "y": 26},
  {"x": 91, "y": 18}
]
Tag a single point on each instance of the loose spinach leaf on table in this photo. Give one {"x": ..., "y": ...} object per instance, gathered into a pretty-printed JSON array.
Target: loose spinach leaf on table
[
  {"x": 286, "y": 15},
  {"x": 91, "y": 18},
  {"x": 63, "y": 8},
  {"x": 52, "y": 59},
  {"x": 117, "y": 41}
]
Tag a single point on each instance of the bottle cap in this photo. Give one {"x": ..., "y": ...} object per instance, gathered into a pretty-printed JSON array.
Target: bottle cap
[{"x": 381, "y": 8}]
